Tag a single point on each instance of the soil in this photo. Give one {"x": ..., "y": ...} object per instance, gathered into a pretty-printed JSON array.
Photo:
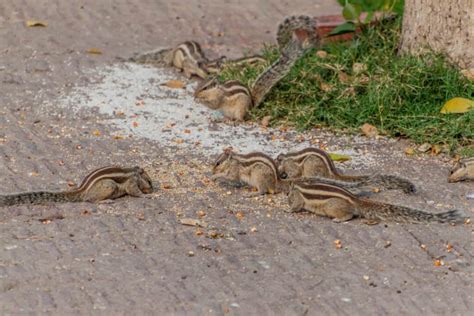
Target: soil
[{"x": 61, "y": 118}]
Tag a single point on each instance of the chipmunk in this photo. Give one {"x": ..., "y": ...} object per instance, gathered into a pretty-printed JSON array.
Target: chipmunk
[
  {"x": 255, "y": 169},
  {"x": 341, "y": 205},
  {"x": 463, "y": 170},
  {"x": 189, "y": 58},
  {"x": 261, "y": 172},
  {"x": 311, "y": 162},
  {"x": 101, "y": 184},
  {"x": 234, "y": 98}
]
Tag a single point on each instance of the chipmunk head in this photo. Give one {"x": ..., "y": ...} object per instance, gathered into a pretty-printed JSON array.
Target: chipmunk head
[
  {"x": 458, "y": 172},
  {"x": 287, "y": 167},
  {"x": 209, "y": 92},
  {"x": 144, "y": 181},
  {"x": 225, "y": 162}
]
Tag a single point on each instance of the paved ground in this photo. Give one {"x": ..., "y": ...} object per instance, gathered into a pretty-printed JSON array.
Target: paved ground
[{"x": 132, "y": 254}]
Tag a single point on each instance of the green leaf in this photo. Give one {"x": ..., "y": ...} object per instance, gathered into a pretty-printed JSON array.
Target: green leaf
[
  {"x": 369, "y": 17},
  {"x": 351, "y": 12},
  {"x": 346, "y": 27},
  {"x": 339, "y": 157}
]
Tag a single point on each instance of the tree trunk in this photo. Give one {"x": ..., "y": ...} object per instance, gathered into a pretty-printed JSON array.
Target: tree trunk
[{"x": 445, "y": 26}]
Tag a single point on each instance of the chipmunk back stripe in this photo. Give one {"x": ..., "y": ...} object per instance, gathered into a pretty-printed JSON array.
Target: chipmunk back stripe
[
  {"x": 324, "y": 191},
  {"x": 101, "y": 173},
  {"x": 301, "y": 155},
  {"x": 252, "y": 158}
]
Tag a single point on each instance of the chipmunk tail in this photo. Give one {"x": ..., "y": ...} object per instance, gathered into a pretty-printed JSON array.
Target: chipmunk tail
[{"x": 402, "y": 214}]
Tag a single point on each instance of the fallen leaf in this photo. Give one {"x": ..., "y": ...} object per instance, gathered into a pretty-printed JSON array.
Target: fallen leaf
[
  {"x": 369, "y": 130},
  {"x": 253, "y": 229},
  {"x": 449, "y": 247},
  {"x": 33, "y": 174},
  {"x": 457, "y": 105},
  {"x": 118, "y": 137},
  {"x": 371, "y": 222},
  {"x": 187, "y": 131},
  {"x": 94, "y": 51},
  {"x": 201, "y": 213},
  {"x": 339, "y": 157},
  {"x": 192, "y": 222},
  {"x": 96, "y": 132},
  {"x": 266, "y": 120},
  {"x": 34, "y": 23},
  {"x": 326, "y": 87},
  {"x": 438, "y": 263},
  {"x": 424, "y": 148},
  {"x": 358, "y": 68},
  {"x": 388, "y": 243},
  {"x": 321, "y": 54},
  {"x": 86, "y": 212},
  {"x": 343, "y": 77},
  {"x": 435, "y": 149},
  {"x": 423, "y": 246},
  {"x": 175, "y": 84},
  {"x": 409, "y": 151},
  {"x": 135, "y": 124},
  {"x": 166, "y": 186},
  {"x": 376, "y": 190}
]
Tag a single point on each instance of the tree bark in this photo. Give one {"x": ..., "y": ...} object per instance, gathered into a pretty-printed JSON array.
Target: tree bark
[{"x": 445, "y": 26}]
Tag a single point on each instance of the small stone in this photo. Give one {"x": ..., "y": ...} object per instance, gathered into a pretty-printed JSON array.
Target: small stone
[{"x": 191, "y": 254}]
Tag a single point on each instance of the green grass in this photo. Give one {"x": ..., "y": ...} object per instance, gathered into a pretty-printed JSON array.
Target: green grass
[{"x": 400, "y": 95}]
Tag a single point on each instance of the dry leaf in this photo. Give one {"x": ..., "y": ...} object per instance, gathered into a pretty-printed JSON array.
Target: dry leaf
[
  {"x": 33, "y": 174},
  {"x": 321, "y": 54},
  {"x": 438, "y": 263},
  {"x": 94, "y": 51},
  {"x": 369, "y": 130},
  {"x": 424, "y": 148},
  {"x": 96, "y": 132},
  {"x": 357, "y": 68},
  {"x": 187, "y": 131},
  {"x": 199, "y": 232},
  {"x": 326, "y": 87},
  {"x": 166, "y": 186},
  {"x": 118, "y": 137},
  {"x": 192, "y": 222},
  {"x": 339, "y": 157},
  {"x": 457, "y": 105},
  {"x": 449, "y": 247},
  {"x": 135, "y": 124},
  {"x": 266, "y": 120},
  {"x": 343, "y": 77},
  {"x": 34, "y": 23},
  {"x": 435, "y": 149},
  {"x": 409, "y": 151},
  {"x": 175, "y": 84},
  {"x": 253, "y": 229},
  {"x": 201, "y": 213}
]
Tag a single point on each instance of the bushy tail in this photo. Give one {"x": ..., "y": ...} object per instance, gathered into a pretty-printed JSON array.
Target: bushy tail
[
  {"x": 402, "y": 214},
  {"x": 391, "y": 182},
  {"x": 290, "y": 51},
  {"x": 34, "y": 198},
  {"x": 159, "y": 56}
]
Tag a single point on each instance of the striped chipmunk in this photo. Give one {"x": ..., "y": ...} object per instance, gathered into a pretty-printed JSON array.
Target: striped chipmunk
[
  {"x": 261, "y": 172},
  {"x": 463, "y": 170},
  {"x": 311, "y": 162},
  {"x": 101, "y": 184},
  {"x": 234, "y": 99},
  {"x": 341, "y": 205},
  {"x": 189, "y": 58}
]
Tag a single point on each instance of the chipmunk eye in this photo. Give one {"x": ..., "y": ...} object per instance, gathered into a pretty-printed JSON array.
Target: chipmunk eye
[{"x": 283, "y": 175}]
